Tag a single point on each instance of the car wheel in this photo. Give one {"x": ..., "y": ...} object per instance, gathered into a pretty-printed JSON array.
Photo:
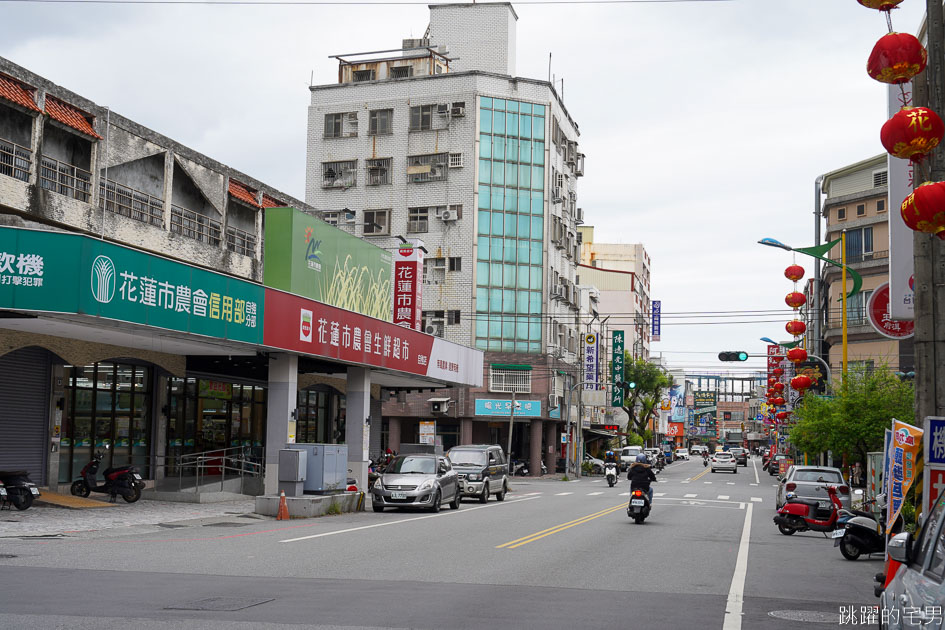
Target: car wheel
[
  {"x": 485, "y": 492},
  {"x": 849, "y": 549},
  {"x": 454, "y": 504},
  {"x": 735, "y": 470},
  {"x": 437, "y": 499},
  {"x": 713, "y": 470},
  {"x": 377, "y": 508},
  {"x": 500, "y": 496}
]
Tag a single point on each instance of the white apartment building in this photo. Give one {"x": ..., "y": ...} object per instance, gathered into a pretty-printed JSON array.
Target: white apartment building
[{"x": 440, "y": 141}]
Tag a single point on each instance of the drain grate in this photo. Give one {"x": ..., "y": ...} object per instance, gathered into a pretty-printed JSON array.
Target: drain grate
[
  {"x": 226, "y": 524},
  {"x": 221, "y": 604},
  {"x": 808, "y": 616}
]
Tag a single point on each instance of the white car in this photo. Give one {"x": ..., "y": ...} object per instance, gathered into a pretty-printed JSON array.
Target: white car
[
  {"x": 628, "y": 455},
  {"x": 682, "y": 453},
  {"x": 723, "y": 460}
]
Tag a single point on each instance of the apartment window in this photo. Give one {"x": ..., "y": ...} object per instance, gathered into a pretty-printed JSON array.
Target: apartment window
[
  {"x": 456, "y": 160},
  {"x": 456, "y": 210},
  {"x": 421, "y": 117},
  {"x": 364, "y": 75},
  {"x": 434, "y": 270},
  {"x": 378, "y": 171},
  {"x": 418, "y": 219},
  {"x": 376, "y": 222},
  {"x": 427, "y": 168},
  {"x": 856, "y": 308},
  {"x": 343, "y": 125},
  {"x": 339, "y": 174},
  {"x": 331, "y": 218},
  {"x": 510, "y": 380},
  {"x": 401, "y": 72},
  {"x": 379, "y": 122},
  {"x": 841, "y": 214},
  {"x": 455, "y": 263},
  {"x": 861, "y": 210},
  {"x": 452, "y": 317},
  {"x": 859, "y": 245},
  {"x": 880, "y": 178},
  {"x": 433, "y": 323},
  {"x": 881, "y": 205}
]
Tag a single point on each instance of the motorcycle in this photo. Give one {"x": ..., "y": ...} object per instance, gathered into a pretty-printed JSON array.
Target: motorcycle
[
  {"x": 801, "y": 515},
  {"x": 639, "y": 507},
  {"x": 610, "y": 472},
  {"x": 123, "y": 480},
  {"x": 705, "y": 460},
  {"x": 20, "y": 491},
  {"x": 520, "y": 468},
  {"x": 861, "y": 533}
]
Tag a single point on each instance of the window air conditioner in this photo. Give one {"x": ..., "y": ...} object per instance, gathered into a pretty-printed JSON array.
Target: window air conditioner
[
  {"x": 554, "y": 401},
  {"x": 448, "y": 215},
  {"x": 435, "y": 328},
  {"x": 443, "y": 109},
  {"x": 458, "y": 111}
]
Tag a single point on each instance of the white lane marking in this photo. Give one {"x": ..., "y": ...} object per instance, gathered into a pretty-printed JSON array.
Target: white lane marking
[
  {"x": 689, "y": 496},
  {"x": 406, "y": 520},
  {"x": 597, "y": 481},
  {"x": 624, "y": 494},
  {"x": 753, "y": 484},
  {"x": 755, "y": 467},
  {"x": 736, "y": 593},
  {"x": 591, "y": 494},
  {"x": 706, "y": 482},
  {"x": 659, "y": 494},
  {"x": 756, "y": 499},
  {"x": 663, "y": 481},
  {"x": 687, "y": 481},
  {"x": 722, "y": 497},
  {"x": 730, "y": 483},
  {"x": 563, "y": 494}
]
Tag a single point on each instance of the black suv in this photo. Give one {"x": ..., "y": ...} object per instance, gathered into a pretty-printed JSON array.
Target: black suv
[
  {"x": 482, "y": 470},
  {"x": 741, "y": 456}
]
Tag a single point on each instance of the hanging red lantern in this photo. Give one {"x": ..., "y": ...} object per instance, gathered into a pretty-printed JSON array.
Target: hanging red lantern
[
  {"x": 801, "y": 382},
  {"x": 779, "y": 387},
  {"x": 782, "y": 416},
  {"x": 779, "y": 401},
  {"x": 896, "y": 58},
  {"x": 795, "y": 327},
  {"x": 924, "y": 209},
  {"x": 797, "y": 355},
  {"x": 912, "y": 132},
  {"x": 778, "y": 357},
  {"x": 880, "y": 5},
  {"x": 777, "y": 371},
  {"x": 794, "y": 273},
  {"x": 772, "y": 381},
  {"x": 795, "y": 300}
]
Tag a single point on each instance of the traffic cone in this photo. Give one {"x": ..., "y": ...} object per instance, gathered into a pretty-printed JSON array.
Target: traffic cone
[{"x": 283, "y": 514}]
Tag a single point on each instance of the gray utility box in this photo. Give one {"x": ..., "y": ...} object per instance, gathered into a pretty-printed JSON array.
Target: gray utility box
[
  {"x": 293, "y": 466},
  {"x": 326, "y": 468}
]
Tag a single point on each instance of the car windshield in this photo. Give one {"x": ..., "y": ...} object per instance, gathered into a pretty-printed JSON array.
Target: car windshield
[
  {"x": 463, "y": 458},
  {"x": 633, "y": 450},
  {"x": 723, "y": 455},
  {"x": 822, "y": 476},
  {"x": 409, "y": 464}
]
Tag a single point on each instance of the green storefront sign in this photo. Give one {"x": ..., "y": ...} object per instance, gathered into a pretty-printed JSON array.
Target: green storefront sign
[
  {"x": 308, "y": 257},
  {"x": 69, "y": 273},
  {"x": 616, "y": 370}
]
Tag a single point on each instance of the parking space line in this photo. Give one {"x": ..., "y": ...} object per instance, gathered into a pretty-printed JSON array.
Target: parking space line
[{"x": 756, "y": 499}]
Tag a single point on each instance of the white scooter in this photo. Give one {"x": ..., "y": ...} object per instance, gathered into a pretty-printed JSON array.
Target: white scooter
[{"x": 610, "y": 473}]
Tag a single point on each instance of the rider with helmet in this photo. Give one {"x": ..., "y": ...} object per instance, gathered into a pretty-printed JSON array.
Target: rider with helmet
[
  {"x": 611, "y": 458},
  {"x": 640, "y": 475}
]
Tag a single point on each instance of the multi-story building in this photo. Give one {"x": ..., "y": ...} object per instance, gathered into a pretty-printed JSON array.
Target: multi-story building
[
  {"x": 440, "y": 142},
  {"x": 857, "y": 203}
]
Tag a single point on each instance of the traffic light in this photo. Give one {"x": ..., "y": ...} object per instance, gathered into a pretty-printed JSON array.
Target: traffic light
[
  {"x": 628, "y": 386},
  {"x": 733, "y": 356}
]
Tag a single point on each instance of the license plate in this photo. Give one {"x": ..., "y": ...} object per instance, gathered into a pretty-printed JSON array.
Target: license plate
[
  {"x": 34, "y": 491},
  {"x": 823, "y": 504},
  {"x": 838, "y": 533},
  {"x": 3, "y": 492},
  {"x": 636, "y": 502},
  {"x": 137, "y": 476},
  {"x": 398, "y": 495}
]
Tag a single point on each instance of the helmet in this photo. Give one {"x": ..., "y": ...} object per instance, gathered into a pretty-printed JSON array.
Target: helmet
[
  {"x": 610, "y": 454},
  {"x": 641, "y": 458}
]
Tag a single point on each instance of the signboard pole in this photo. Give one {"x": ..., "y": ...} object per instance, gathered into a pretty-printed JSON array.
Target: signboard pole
[{"x": 511, "y": 423}]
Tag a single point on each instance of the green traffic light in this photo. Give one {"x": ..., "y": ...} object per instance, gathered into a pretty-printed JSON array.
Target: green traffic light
[
  {"x": 742, "y": 356},
  {"x": 733, "y": 356}
]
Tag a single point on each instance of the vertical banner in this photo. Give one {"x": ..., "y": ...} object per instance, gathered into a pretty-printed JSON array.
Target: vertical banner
[
  {"x": 616, "y": 369},
  {"x": 408, "y": 286},
  {"x": 906, "y": 442},
  {"x": 590, "y": 361},
  {"x": 933, "y": 473},
  {"x": 899, "y": 175},
  {"x": 657, "y": 306},
  {"x": 427, "y": 431}
]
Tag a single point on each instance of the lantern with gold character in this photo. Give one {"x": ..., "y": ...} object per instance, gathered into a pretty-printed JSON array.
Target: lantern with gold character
[
  {"x": 912, "y": 132},
  {"x": 924, "y": 209}
]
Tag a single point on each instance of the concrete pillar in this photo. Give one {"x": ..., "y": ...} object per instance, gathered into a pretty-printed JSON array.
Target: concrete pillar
[
  {"x": 357, "y": 419},
  {"x": 393, "y": 434},
  {"x": 168, "y": 189},
  {"x": 552, "y": 445},
  {"x": 36, "y": 144},
  {"x": 534, "y": 460},
  {"x": 159, "y": 429},
  {"x": 280, "y": 411},
  {"x": 377, "y": 426},
  {"x": 56, "y": 404},
  {"x": 465, "y": 431}
]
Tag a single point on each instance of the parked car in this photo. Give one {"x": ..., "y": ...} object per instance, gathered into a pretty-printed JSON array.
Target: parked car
[
  {"x": 698, "y": 450},
  {"x": 810, "y": 483},
  {"x": 723, "y": 461},
  {"x": 417, "y": 480},
  {"x": 482, "y": 470},
  {"x": 741, "y": 456},
  {"x": 773, "y": 463},
  {"x": 628, "y": 455},
  {"x": 682, "y": 453},
  {"x": 597, "y": 465}
]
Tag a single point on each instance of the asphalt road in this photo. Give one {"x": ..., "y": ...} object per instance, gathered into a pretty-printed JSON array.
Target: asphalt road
[{"x": 555, "y": 554}]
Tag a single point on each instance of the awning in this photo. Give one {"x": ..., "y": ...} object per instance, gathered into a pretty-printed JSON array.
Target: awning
[{"x": 599, "y": 432}]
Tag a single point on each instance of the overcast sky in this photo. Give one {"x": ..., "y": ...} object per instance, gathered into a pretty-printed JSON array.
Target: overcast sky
[{"x": 705, "y": 124}]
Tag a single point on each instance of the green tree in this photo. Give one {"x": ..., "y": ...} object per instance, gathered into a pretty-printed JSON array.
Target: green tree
[
  {"x": 642, "y": 400},
  {"x": 853, "y": 421}
]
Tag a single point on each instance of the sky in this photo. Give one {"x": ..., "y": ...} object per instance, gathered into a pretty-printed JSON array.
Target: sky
[{"x": 705, "y": 124}]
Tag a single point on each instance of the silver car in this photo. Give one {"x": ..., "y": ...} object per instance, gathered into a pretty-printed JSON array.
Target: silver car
[
  {"x": 417, "y": 481},
  {"x": 810, "y": 482},
  {"x": 723, "y": 460}
]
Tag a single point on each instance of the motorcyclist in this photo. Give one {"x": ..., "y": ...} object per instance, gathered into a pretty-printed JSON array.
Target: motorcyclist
[
  {"x": 611, "y": 458},
  {"x": 640, "y": 475},
  {"x": 705, "y": 457}
]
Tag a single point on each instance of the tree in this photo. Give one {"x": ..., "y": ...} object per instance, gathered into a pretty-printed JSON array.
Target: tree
[
  {"x": 853, "y": 421},
  {"x": 642, "y": 400}
]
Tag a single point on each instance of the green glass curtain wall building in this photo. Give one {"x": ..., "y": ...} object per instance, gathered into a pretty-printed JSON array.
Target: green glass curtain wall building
[{"x": 511, "y": 225}]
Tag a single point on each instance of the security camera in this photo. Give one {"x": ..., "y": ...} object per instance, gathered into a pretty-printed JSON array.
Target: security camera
[{"x": 440, "y": 406}]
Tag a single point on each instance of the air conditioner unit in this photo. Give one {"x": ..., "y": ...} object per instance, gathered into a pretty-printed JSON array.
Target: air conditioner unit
[
  {"x": 579, "y": 220},
  {"x": 448, "y": 215},
  {"x": 458, "y": 111},
  {"x": 554, "y": 401},
  {"x": 443, "y": 109},
  {"x": 435, "y": 171},
  {"x": 435, "y": 328}
]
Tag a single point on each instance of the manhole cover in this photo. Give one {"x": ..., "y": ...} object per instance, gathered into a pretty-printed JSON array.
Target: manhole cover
[
  {"x": 171, "y": 525},
  {"x": 221, "y": 603},
  {"x": 809, "y": 616},
  {"x": 226, "y": 524}
]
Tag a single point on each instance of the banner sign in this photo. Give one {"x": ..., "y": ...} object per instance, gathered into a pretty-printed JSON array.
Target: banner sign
[
  {"x": 590, "y": 361},
  {"x": 408, "y": 286},
  {"x": 877, "y": 310},
  {"x": 703, "y": 399},
  {"x": 906, "y": 442},
  {"x": 656, "y": 307},
  {"x": 676, "y": 429},
  {"x": 616, "y": 369},
  {"x": 934, "y": 469},
  {"x": 427, "y": 431},
  {"x": 523, "y": 408},
  {"x": 899, "y": 175}
]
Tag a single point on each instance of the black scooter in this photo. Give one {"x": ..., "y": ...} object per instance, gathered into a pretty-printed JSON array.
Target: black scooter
[
  {"x": 639, "y": 507},
  {"x": 20, "y": 491},
  {"x": 860, "y": 534},
  {"x": 123, "y": 480}
]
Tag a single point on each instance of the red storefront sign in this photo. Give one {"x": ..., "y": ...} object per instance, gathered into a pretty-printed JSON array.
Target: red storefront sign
[
  {"x": 877, "y": 308},
  {"x": 676, "y": 429},
  {"x": 408, "y": 286}
]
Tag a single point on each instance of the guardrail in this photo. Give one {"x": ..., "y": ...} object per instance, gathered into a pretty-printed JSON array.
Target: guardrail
[{"x": 201, "y": 472}]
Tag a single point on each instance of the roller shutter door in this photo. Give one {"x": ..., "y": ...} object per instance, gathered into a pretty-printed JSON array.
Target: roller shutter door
[{"x": 24, "y": 402}]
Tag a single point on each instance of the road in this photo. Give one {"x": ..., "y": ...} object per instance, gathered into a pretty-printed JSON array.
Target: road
[{"x": 555, "y": 554}]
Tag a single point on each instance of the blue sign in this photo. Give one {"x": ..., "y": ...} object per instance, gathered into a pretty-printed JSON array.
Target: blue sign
[
  {"x": 656, "y": 306},
  {"x": 554, "y": 413},
  {"x": 936, "y": 438},
  {"x": 523, "y": 408}
]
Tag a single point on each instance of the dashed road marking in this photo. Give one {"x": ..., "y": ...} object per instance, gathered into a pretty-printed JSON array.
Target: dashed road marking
[
  {"x": 756, "y": 499},
  {"x": 591, "y": 494},
  {"x": 722, "y": 497},
  {"x": 706, "y": 482},
  {"x": 690, "y": 496},
  {"x": 687, "y": 481},
  {"x": 657, "y": 494},
  {"x": 731, "y": 483},
  {"x": 624, "y": 494},
  {"x": 563, "y": 494}
]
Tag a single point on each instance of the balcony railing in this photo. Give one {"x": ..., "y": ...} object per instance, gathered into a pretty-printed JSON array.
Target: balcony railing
[
  {"x": 240, "y": 242},
  {"x": 65, "y": 179},
  {"x": 15, "y": 160},
  {"x": 196, "y": 226},
  {"x": 866, "y": 257},
  {"x": 851, "y": 322},
  {"x": 131, "y": 203}
]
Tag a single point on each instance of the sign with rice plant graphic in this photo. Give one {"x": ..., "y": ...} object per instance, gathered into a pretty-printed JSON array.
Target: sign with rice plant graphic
[{"x": 306, "y": 256}]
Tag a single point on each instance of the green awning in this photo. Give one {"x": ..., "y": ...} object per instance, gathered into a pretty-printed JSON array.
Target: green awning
[{"x": 511, "y": 366}]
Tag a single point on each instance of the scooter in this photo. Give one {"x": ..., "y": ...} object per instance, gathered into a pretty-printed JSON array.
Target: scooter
[
  {"x": 610, "y": 472},
  {"x": 639, "y": 507},
  {"x": 123, "y": 480},
  {"x": 20, "y": 491},
  {"x": 861, "y": 533},
  {"x": 801, "y": 515}
]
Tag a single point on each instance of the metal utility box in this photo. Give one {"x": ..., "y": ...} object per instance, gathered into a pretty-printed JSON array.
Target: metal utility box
[
  {"x": 293, "y": 466},
  {"x": 326, "y": 468}
]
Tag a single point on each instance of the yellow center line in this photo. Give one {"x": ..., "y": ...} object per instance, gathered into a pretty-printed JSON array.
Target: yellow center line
[
  {"x": 707, "y": 469},
  {"x": 557, "y": 528}
]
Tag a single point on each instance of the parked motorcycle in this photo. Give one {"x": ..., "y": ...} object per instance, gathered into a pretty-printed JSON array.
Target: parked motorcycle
[
  {"x": 520, "y": 468},
  {"x": 20, "y": 491},
  {"x": 801, "y": 515},
  {"x": 639, "y": 507},
  {"x": 610, "y": 473},
  {"x": 861, "y": 533},
  {"x": 123, "y": 480}
]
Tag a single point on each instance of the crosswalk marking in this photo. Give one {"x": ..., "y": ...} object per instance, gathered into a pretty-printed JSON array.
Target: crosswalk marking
[
  {"x": 563, "y": 494},
  {"x": 690, "y": 496},
  {"x": 756, "y": 499},
  {"x": 591, "y": 494},
  {"x": 723, "y": 497}
]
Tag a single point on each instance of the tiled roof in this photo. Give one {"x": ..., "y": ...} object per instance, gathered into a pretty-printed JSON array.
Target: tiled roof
[
  {"x": 269, "y": 202},
  {"x": 70, "y": 116},
  {"x": 244, "y": 193},
  {"x": 13, "y": 91}
]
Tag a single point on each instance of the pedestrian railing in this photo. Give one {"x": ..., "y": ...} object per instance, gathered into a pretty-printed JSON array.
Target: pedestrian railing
[{"x": 236, "y": 469}]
